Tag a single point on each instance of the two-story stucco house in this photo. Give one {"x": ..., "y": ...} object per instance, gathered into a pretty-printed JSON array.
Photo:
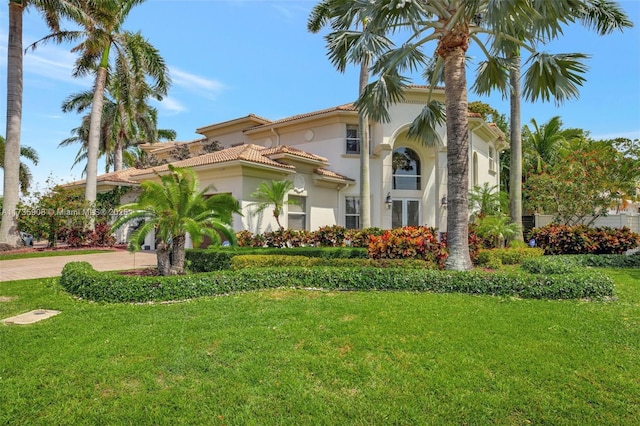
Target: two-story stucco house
[{"x": 319, "y": 152}]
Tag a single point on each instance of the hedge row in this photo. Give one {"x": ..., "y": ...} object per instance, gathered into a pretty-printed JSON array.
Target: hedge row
[
  {"x": 216, "y": 259},
  {"x": 81, "y": 280},
  {"x": 580, "y": 239},
  {"x": 495, "y": 258},
  {"x": 571, "y": 263},
  {"x": 269, "y": 261}
]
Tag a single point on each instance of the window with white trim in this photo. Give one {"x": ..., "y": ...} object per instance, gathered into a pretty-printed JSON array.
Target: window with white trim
[
  {"x": 297, "y": 217},
  {"x": 352, "y": 213},
  {"x": 492, "y": 159},
  {"x": 406, "y": 169},
  {"x": 353, "y": 139}
]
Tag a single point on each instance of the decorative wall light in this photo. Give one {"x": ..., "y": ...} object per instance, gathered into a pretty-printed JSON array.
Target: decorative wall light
[
  {"x": 388, "y": 201},
  {"x": 443, "y": 202}
]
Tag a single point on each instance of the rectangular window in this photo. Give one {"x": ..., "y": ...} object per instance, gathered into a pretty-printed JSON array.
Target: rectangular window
[
  {"x": 352, "y": 213},
  {"x": 353, "y": 139},
  {"x": 492, "y": 159},
  {"x": 297, "y": 218}
]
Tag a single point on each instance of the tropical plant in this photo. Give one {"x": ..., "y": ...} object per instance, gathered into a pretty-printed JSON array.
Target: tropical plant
[
  {"x": 453, "y": 25},
  {"x": 542, "y": 144},
  {"x": 487, "y": 200},
  {"x": 174, "y": 207},
  {"x": 273, "y": 193},
  {"x": 496, "y": 230},
  {"x": 602, "y": 16},
  {"x": 102, "y": 37},
  {"x": 52, "y": 11},
  {"x": 345, "y": 44},
  {"x": 26, "y": 152}
]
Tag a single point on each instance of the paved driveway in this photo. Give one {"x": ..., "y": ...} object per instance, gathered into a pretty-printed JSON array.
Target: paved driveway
[{"x": 43, "y": 267}]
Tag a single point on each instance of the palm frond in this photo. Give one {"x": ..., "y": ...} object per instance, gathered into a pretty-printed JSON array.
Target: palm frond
[
  {"x": 380, "y": 94},
  {"x": 555, "y": 76},
  {"x": 423, "y": 128}
]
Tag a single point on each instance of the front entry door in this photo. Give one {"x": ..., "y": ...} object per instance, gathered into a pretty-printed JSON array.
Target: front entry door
[{"x": 405, "y": 212}]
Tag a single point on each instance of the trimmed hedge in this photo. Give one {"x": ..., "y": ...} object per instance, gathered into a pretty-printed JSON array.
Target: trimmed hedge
[
  {"x": 81, "y": 280},
  {"x": 267, "y": 261},
  {"x": 575, "y": 262},
  {"x": 507, "y": 256},
  {"x": 219, "y": 258}
]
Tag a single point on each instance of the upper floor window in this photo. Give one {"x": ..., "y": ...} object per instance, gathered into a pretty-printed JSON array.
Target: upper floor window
[
  {"x": 492, "y": 159},
  {"x": 406, "y": 169},
  {"x": 353, "y": 139}
]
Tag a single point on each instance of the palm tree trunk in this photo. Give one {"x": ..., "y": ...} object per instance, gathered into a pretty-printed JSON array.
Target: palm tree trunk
[
  {"x": 177, "y": 252},
  {"x": 11, "y": 188},
  {"x": 457, "y": 159},
  {"x": 162, "y": 255},
  {"x": 363, "y": 124},
  {"x": 515, "y": 170},
  {"x": 93, "y": 145}
]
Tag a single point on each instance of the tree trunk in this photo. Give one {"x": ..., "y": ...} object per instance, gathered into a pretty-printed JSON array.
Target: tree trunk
[
  {"x": 363, "y": 124},
  {"x": 177, "y": 252},
  {"x": 9, "y": 233},
  {"x": 93, "y": 145},
  {"x": 515, "y": 166},
  {"x": 457, "y": 158},
  {"x": 162, "y": 254}
]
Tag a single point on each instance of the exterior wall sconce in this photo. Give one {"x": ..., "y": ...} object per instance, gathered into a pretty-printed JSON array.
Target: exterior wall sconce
[
  {"x": 388, "y": 201},
  {"x": 443, "y": 202}
]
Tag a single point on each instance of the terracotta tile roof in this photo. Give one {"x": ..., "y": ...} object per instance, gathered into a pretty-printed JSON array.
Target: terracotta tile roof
[
  {"x": 121, "y": 176},
  {"x": 162, "y": 146},
  {"x": 333, "y": 175},
  {"x": 282, "y": 149},
  {"x": 350, "y": 107}
]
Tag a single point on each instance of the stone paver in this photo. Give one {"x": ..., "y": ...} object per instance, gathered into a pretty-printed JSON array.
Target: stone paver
[
  {"x": 31, "y": 317},
  {"x": 44, "y": 267}
]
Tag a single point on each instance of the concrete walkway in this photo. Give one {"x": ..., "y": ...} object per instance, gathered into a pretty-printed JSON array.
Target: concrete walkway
[{"x": 44, "y": 267}]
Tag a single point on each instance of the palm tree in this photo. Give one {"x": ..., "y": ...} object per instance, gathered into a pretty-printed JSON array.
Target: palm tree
[
  {"x": 603, "y": 16},
  {"x": 273, "y": 193},
  {"x": 25, "y": 174},
  {"x": 345, "y": 46},
  {"x": 102, "y": 35},
  {"x": 543, "y": 144},
  {"x": 126, "y": 122},
  {"x": 51, "y": 11},
  {"x": 175, "y": 207},
  {"x": 487, "y": 200},
  {"x": 453, "y": 25}
]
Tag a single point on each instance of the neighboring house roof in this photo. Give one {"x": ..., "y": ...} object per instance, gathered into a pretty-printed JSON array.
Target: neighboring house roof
[
  {"x": 350, "y": 107},
  {"x": 154, "y": 148},
  {"x": 248, "y": 153}
]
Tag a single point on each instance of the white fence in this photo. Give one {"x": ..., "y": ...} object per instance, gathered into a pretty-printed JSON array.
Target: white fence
[{"x": 631, "y": 221}]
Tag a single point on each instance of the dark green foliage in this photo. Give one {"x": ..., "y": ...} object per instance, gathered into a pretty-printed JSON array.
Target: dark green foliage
[
  {"x": 218, "y": 258},
  {"x": 573, "y": 263},
  {"x": 580, "y": 239},
  {"x": 81, "y": 280}
]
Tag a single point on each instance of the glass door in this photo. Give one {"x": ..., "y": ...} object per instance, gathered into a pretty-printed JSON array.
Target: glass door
[{"x": 405, "y": 212}]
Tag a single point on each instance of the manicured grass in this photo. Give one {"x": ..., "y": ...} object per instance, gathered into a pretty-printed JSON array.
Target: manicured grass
[
  {"x": 316, "y": 357},
  {"x": 52, "y": 253}
]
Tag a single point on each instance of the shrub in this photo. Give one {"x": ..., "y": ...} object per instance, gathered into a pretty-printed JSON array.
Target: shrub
[
  {"x": 81, "y": 280},
  {"x": 508, "y": 256},
  {"x": 409, "y": 242},
  {"x": 580, "y": 239},
  {"x": 330, "y": 236},
  {"x": 266, "y": 261}
]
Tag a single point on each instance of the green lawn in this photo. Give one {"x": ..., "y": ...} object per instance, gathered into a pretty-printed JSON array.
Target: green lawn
[
  {"x": 312, "y": 357},
  {"x": 51, "y": 253}
]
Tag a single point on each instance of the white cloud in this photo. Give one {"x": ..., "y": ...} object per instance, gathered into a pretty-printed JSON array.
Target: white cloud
[
  {"x": 54, "y": 63},
  {"x": 171, "y": 106},
  {"x": 196, "y": 84}
]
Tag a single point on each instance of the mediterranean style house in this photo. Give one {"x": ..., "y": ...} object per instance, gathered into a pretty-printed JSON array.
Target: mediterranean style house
[{"x": 319, "y": 152}]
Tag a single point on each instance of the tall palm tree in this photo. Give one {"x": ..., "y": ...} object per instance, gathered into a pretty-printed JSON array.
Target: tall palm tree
[
  {"x": 174, "y": 207},
  {"x": 273, "y": 193},
  {"x": 602, "y": 16},
  {"x": 51, "y": 11},
  {"x": 346, "y": 45},
  {"x": 26, "y": 152},
  {"x": 105, "y": 46},
  {"x": 453, "y": 25}
]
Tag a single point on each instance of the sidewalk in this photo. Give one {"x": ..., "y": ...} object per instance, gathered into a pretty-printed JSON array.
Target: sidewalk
[{"x": 44, "y": 267}]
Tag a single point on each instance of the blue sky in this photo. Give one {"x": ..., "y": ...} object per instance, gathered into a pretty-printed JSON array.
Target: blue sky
[{"x": 229, "y": 58}]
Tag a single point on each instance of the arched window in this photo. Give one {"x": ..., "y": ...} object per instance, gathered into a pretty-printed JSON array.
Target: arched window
[{"x": 406, "y": 169}]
